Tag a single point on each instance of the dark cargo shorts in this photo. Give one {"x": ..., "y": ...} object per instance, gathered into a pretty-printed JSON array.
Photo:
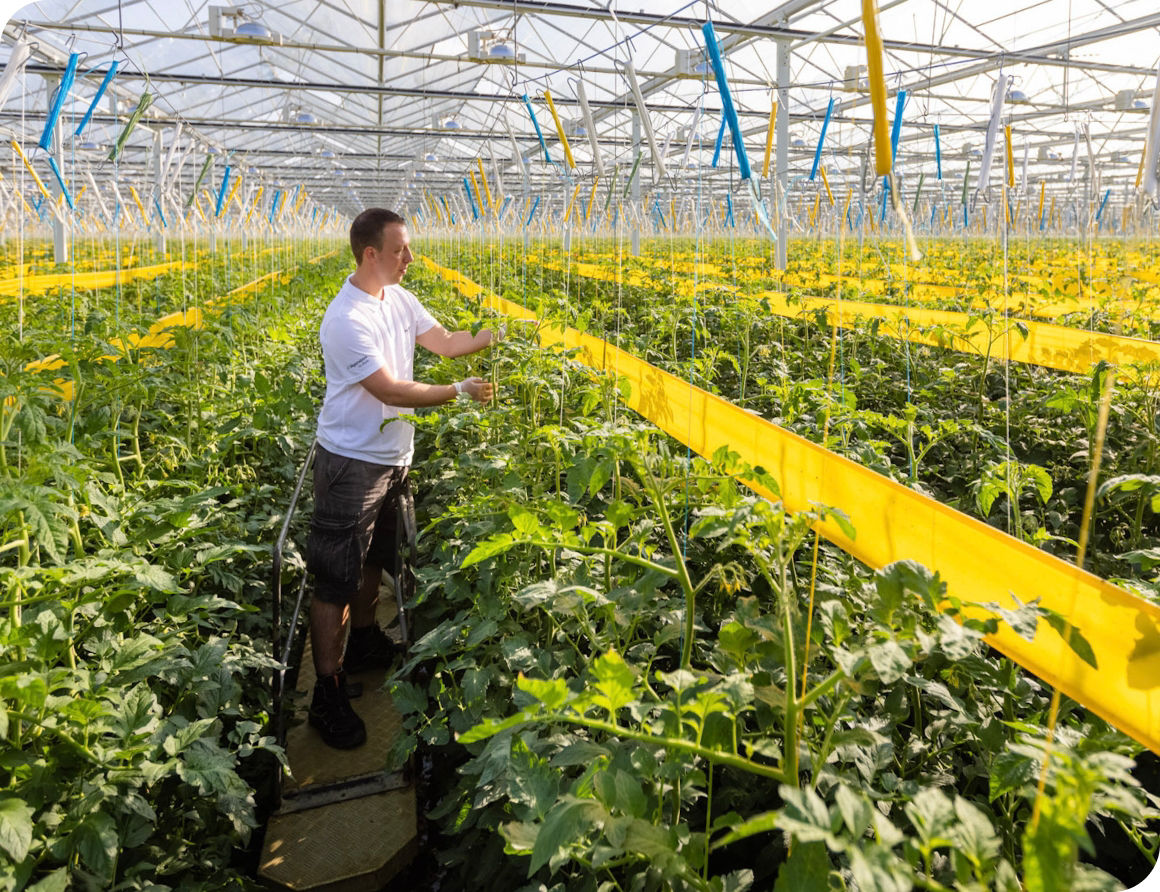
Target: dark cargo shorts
[{"x": 363, "y": 512}]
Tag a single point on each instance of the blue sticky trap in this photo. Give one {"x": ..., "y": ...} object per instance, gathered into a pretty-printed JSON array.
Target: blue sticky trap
[
  {"x": 532, "y": 212},
  {"x": 274, "y": 207},
  {"x": 160, "y": 213},
  {"x": 503, "y": 208},
  {"x": 66, "y": 82},
  {"x": 60, "y": 182},
  {"x": 885, "y": 193},
  {"x": 660, "y": 214},
  {"x": 536, "y": 124},
  {"x": 966, "y": 219},
  {"x": 720, "y": 142},
  {"x": 96, "y": 99},
  {"x": 729, "y": 210},
  {"x": 896, "y": 129},
  {"x": 933, "y": 211},
  {"x": 1042, "y": 220},
  {"x": 821, "y": 140},
  {"x": 937, "y": 152},
  {"x": 726, "y": 99},
  {"x": 221, "y": 196},
  {"x": 313, "y": 216},
  {"x": 470, "y": 199},
  {"x": 1103, "y": 204}
]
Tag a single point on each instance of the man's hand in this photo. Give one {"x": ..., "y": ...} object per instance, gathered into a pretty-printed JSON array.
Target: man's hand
[{"x": 479, "y": 390}]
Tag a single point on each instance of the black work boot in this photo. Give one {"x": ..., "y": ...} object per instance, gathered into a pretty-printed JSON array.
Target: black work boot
[
  {"x": 369, "y": 647},
  {"x": 331, "y": 714}
]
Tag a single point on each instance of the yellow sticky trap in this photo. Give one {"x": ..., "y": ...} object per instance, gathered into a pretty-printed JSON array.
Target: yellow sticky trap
[
  {"x": 560, "y": 129},
  {"x": 894, "y": 522},
  {"x": 486, "y": 187},
  {"x": 849, "y": 198},
  {"x": 1042, "y": 193},
  {"x": 35, "y": 176},
  {"x": 230, "y": 197},
  {"x": 1010, "y": 160},
  {"x": 571, "y": 203},
  {"x": 591, "y": 198},
  {"x": 253, "y": 207},
  {"x": 769, "y": 139},
  {"x": 478, "y": 197},
  {"x": 817, "y": 207},
  {"x": 883, "y": 159},
  {"x": 826, "y": 183},
  {"x": 140, "y": 207}
]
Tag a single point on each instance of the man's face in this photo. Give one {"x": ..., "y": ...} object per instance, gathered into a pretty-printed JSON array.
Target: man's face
[{"x": 395, "y": 255}]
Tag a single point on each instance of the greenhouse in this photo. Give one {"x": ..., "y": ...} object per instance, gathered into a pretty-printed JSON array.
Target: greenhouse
[{"x": 564, "y": 447}]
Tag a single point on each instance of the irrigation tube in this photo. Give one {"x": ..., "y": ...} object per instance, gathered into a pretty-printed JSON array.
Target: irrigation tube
[{"x": 645, "y": 121}]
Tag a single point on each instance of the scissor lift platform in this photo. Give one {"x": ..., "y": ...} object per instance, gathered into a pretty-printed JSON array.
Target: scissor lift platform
[{"x": 345, "y": 823}]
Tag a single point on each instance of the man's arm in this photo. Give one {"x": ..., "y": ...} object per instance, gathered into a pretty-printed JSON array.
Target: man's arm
[
  {"x": 415, "y": 394},
  {"x": 454, "y": 343}
]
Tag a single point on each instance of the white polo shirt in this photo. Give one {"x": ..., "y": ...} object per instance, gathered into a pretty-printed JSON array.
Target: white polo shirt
[{"x": 360, "y": 334}]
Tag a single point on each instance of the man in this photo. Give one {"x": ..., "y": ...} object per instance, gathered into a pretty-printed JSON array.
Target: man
[{"x": 368, "y": 336}]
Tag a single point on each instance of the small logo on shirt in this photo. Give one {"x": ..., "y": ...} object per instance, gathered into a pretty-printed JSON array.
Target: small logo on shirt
[{"x": 362, "y": 360}]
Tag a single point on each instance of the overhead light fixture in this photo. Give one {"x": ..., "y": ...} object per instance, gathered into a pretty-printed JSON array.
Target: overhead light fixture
[
  {"x": 451, "y": 124},
  {"x": 1018, "y": 97},
  {"x": 430, "y": 156},
  {"x": 305, "y": 118},
  {"x": 501, "y": 51},
  {"x": 241, "y": 28}
]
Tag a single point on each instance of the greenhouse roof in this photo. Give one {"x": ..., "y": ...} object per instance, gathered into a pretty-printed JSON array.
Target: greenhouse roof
[{"x": 366, "y": 103}]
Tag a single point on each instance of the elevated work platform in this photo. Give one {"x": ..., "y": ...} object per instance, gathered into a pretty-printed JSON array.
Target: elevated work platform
[{"x": 345, "y": 824}]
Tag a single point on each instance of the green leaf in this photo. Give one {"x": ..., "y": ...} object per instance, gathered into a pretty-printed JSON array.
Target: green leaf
[
  {"x": 1010, "y": 772},
  {"x": 566, "y": 824},
  {"x": 889, "y": 660},
  {"x": 855, "y": 809},
  {"x": 15, "y": 827},
  {"x": 805, "y": 816},
  {"x": 974, "y": 836},
  {"x": 490, "y": 727},
  {"x": 489, "y": 548},
  {"x": 526, "y": 524},
  {"x": 932, "y": 815},
  {"x": 552, "y": 693},
  {"x": 614, "y": 682},
  {"x": 760, "y": 823},
  {"x": 620, "y": 791},
  {"x": 95, "y": 840},
  {"x": 57, "y": 881},
  {"x": 1074, "y": 638},
  {"x": 807, "y": 869}
]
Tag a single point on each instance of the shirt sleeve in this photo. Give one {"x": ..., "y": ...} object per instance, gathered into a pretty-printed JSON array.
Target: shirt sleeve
[
  {"x": 350, "y": 350},
  {"x": 424, "y": 321}
]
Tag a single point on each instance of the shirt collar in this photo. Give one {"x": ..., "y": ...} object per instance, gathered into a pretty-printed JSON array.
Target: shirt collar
[{"x": 354, "y": 291}]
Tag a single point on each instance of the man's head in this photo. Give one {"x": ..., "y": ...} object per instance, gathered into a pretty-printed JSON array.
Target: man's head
[{"x": 381, "y": 245}]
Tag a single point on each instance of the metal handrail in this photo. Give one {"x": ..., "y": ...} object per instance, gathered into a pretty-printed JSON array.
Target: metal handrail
[{"x": 282, "y": 654}]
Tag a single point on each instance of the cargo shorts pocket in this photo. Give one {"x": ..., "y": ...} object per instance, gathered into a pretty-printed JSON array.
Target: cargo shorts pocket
[{"x": 332, "y": 551}]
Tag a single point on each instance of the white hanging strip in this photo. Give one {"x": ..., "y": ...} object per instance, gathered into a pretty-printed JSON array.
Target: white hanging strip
[
  {"x": 1152, "y": 146},
  {"x": 692, "y": 136},
  {"x": 97, "y": 195},
  {"x": 160, "y": 187},
  {"x": 646, "y": 123},
  {"x": 589, "y": 127},
  {"x": 499, "y": 189},
  {"x": 1087, "y": 135},
  {"x": 16, "y": 60},
  {"x": 1074, "y": 155},
  {"x": 517, "y": 159},
  {"x": 992, "y": 132}
]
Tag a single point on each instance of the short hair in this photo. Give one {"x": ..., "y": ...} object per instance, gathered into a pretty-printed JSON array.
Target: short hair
[{"x": 367, "y": 230}]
